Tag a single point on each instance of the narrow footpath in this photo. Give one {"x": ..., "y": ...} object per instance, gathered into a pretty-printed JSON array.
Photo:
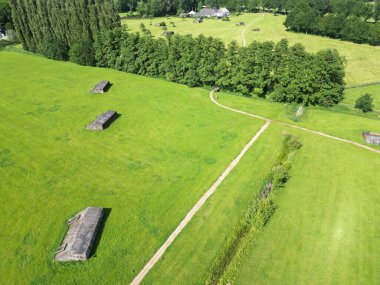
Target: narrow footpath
[
  {"x": 293, "y": 126},
  {"x": 245, "y": 29},
  {"x": 196, "y": 208}
]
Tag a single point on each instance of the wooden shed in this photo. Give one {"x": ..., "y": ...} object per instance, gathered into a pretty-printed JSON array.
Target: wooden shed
[
  {"x": 372, "y": 138},
  {"x": 103, "y": 121},
  {"x": 101, "y": 87},
  {"x": 81, "y": 235}
]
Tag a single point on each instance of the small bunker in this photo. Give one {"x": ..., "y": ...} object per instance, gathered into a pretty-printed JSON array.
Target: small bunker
[
  {"x": 103, "y": 121},
  {"x": 81, "y": 235},
  {"x": 372, "y": 138},
  {"x": 240, "y": 24},
  {"x": 167, "y": 34},
  {"x": 256, "y": 29},
  {"x": 101, "y": 87}
]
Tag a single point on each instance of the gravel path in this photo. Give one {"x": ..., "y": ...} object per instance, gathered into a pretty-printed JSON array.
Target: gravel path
[
  {"x": 245, "y": 29},
  {"x": 196, "y": 208},
  {"x": 294, "y": 126},
  {"x": 137, "y": 280}
]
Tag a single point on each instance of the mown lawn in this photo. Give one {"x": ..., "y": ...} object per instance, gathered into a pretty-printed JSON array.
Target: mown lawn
[
  {"x": 191, "y": 257},
  {"x": 326, "y": 228},
  {"x": 339, "y": 124},
  {"x": 350, "y": 95},
  {"x": 363, "y": 61},
  {"x": 149, "y": 167}
]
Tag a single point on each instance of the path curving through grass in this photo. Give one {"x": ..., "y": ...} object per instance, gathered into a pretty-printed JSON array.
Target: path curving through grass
[
  {"x": 211, "y": 95},
  {"x": 245, "y": 29}
]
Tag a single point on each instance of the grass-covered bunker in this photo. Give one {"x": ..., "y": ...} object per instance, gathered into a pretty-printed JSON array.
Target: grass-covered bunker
[{"x": 81, "y": 235}]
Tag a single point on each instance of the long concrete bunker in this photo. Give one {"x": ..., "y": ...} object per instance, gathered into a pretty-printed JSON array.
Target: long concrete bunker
[
  {"x": 81, "y": 235},
  {"x": 103, "y": 121}
]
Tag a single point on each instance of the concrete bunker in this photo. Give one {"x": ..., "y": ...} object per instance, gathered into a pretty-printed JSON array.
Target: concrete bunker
[
  {"x": 101, "y": 87},
  {"x": 81, "y": 235},
  {"x": 372, "y": 138},
  {"x": 103, "y": 121}
]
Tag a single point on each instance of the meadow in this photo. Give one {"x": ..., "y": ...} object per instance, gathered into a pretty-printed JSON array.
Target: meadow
[
  {"x": 352, "y": 94},
  {"x": 324, "y": 230},
  {"x": 153, "y": 163},
  {"x": 149, "y": 167},
  {"x": 345, "y": 125},
  {"x": 363, "y": 61}
]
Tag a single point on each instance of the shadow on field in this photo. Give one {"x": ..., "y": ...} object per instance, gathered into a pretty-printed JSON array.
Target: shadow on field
[{"x": 106, "y": 213}]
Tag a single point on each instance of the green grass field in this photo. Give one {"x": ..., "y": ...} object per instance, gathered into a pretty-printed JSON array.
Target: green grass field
[
  {"x": 352, "y": 94},
  {"x": 343, "y": 125},
  {"x": 150, "y": 167},
  {"x": 363, "y": 61},
  {"x": 326, "y": 227}
]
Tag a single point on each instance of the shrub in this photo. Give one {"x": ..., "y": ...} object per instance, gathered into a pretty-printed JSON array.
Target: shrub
[
  {"x": 82, "y": 53},
  {"x": 54, "y": 48},
  {"x": 365, "y": 103}
]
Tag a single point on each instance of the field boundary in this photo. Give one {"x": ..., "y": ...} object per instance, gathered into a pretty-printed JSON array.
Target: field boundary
[
  {"x": 137, "y": 280},
  {"x": 362, "y": 85},
  {"x": 211, "y": 95}
]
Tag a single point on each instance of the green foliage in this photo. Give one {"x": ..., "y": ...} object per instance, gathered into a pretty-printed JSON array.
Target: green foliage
[
  {"x": 266, "y": 69},
  {"x": 365, "y": 103},
  {"x": 257, "y": 215},
  {"x": 345, "y": 19},
  {"x": 5, "y": 15},
  {"x": 82, "y": 53},
  {"x": 68, "y": 22},
  {"x": 54, "y": 48},
  {"x": 4, "y": 43}
]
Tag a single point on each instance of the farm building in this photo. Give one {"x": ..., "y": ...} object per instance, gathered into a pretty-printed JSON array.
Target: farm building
[
  {"x": 103, "y": 121},
  {"x": 372, "y": 138},
  {"x": 81, "y": 235},
  {"x": 191, "y": 13},
  {"x": 101, "y": 87},
  {"x": 212, "y": 12}
]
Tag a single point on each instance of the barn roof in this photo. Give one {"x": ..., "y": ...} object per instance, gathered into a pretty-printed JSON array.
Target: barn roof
[{"x": 81, "y": 235}]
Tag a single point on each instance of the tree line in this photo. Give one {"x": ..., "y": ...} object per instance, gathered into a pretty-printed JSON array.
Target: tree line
[
  {"x": 278, "y": 72},
  {"x": 52, "y": 27},
  {"x": 351, "y": 20},
  {"x": 88, "y": 32}
]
